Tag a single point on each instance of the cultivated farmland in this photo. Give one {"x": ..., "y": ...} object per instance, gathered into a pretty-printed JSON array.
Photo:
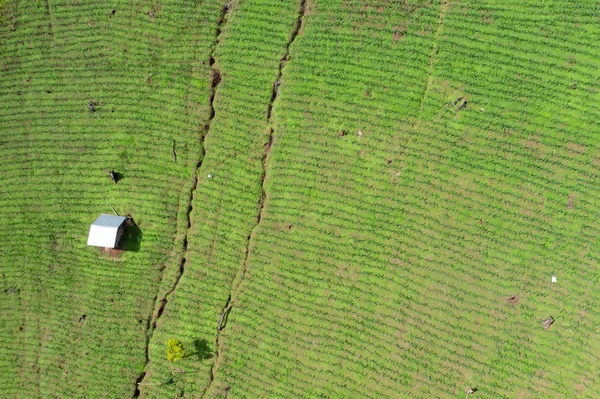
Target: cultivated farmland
[
  {"x": 334, "y": 198},
  {"x": 148, "y": 79}
]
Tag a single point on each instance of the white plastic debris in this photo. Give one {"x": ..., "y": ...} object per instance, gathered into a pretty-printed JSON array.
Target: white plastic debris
[
  {"x": 209, "y": 176},
  {"x": 554, "y": 280}
]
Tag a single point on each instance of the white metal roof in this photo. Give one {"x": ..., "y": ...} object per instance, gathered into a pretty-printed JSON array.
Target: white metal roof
[{"x": 104, "y": 232}]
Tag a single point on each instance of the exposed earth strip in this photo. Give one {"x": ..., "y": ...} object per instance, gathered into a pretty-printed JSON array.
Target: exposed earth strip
[
  {"x": 229, "y": 304},
  {"x": 215, "y": 80}
]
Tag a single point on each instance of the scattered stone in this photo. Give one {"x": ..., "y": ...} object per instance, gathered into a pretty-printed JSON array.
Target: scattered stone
[
  {"x": 548, "y": 322},
  {"x": 360, "y": 133},
  {"x": 82, "y": 319}
]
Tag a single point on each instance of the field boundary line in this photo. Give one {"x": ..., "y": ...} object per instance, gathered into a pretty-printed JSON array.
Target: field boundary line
[
  {"x": 50, "y": 20},
  {"x": 432, "y": 56},
  {"x": 262, "y": 200},
  {"x": 160, "y": 305}
]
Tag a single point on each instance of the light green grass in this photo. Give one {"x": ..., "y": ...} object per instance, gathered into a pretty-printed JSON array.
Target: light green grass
[
  {"x": 226, "y": 206},
  {"x": 407, "y": 241},
  {"x": 394, "y": 228},
  {"x": 56, "y": 155}
]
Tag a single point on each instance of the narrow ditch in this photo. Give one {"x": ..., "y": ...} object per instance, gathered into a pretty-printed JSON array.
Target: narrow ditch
[
  {"x": 230, "y": 303},
  {"x": 215, "y": 80}
]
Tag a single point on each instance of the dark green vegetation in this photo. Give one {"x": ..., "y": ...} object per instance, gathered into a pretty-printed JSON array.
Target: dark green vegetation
[{"x": 423, "y": 163}]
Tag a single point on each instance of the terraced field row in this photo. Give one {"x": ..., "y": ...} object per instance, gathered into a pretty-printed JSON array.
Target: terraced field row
[
  {"x": 381, "y": 193},
  {"x": 251, "y": 44},
  {"x": 306, "y": 306},
  {"x": 391, "y": 244},
  {"x": 150, "y": 98}
]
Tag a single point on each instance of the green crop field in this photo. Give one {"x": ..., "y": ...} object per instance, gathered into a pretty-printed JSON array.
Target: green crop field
[{"x": 332, "y": 198}]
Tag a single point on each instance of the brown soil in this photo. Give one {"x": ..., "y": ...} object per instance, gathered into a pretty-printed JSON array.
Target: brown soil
[
  {"x": 112, "y": 252},
  {"x": 513, "y": 300}
]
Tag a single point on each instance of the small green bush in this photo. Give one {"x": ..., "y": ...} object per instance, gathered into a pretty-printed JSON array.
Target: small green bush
[{"x": 175, "y": 350}]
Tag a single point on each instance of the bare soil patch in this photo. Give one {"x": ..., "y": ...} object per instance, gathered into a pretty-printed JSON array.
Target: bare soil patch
[
  {"x": 570, "y": 202},
  {"x": 513, "y": 300},
  {"x": 112, "y": 253}
]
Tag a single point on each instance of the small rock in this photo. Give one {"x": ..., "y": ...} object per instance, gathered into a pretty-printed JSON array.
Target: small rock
[
  {"x": 360, "y": 133},
  {"x": 548, "y": 322}
]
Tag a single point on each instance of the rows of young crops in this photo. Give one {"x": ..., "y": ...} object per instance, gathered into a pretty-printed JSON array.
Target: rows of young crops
[
  {"x": 396, "y": 221},
  {"x": 393, "y": 233},
  {"x": 530, "y": 135},
  {"x": 225, "y": 208},
  {"x": 313, "y": 320},
  {"x": 144, "y": 67}
]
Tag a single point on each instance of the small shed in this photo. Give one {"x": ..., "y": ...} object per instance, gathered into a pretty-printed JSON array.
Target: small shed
[{"x": 106, "y": 231}]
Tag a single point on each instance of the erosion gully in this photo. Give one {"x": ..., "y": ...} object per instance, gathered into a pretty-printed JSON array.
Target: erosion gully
[
  {"x": 161, "y": 303},
  {"x": 231, "y": 299}
]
